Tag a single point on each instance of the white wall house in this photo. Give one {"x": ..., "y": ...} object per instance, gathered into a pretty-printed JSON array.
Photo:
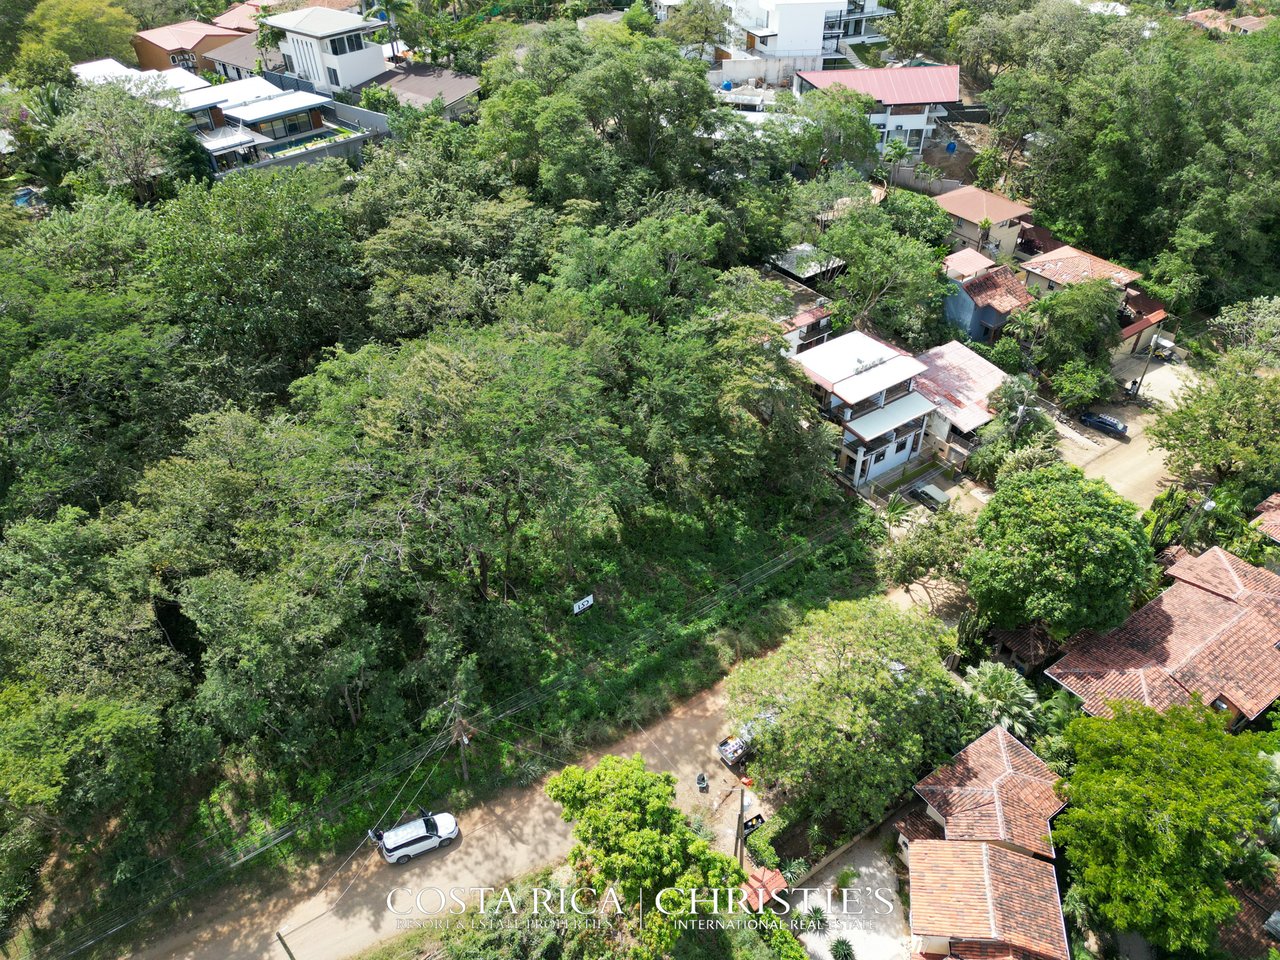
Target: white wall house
[
  {"x": 330, "y": 48},
  {"x": 867, "y": 387},
  {"x": 779, "y": 37},
  {"x": 909, "y": 101}
]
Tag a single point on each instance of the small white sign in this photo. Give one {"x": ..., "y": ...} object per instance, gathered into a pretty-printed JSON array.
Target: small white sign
[{"x": 582, "y": 604}]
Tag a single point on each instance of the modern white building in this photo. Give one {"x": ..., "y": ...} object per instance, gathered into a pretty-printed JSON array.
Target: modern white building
[
  {"x": 867, "y": 387},
  {"x": 328, "y": 48},
  {"x": 909, "y": 101},
  {"x": 807, "y": 28}
]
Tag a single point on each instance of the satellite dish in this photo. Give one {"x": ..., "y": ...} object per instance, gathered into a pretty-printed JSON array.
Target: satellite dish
[{"x": 951, "y": 147}]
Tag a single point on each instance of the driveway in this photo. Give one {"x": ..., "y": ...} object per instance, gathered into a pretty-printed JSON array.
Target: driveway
[
  {"x": 515, "y": 833},
  {"x": 871, "y": 916},
  {"x": 1133, "y": 466}
]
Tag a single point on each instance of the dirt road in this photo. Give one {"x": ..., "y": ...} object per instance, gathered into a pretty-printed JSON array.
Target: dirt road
[{"x": 513, "y": 834}]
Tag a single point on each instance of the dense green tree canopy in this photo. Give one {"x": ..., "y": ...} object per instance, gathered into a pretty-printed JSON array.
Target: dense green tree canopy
[
  {"x": 1161, "y": 808},
  {"x": 1056, "y": 547},
  {"x": 852, "y": 710}
]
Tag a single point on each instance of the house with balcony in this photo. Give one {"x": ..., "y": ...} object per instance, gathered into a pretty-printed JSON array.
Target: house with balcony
[
  {"x": 867, "y": 387},
  {"x": 184, "y": 45},
  {"x": 982, "y": 220},
  {"x": 328, "y": 49},
  {"x": 243, "y": 58},
  {"x": 909, "y": 101},
  {"x": 807, "y": 321},
  {"x": 779, "y": 37}
]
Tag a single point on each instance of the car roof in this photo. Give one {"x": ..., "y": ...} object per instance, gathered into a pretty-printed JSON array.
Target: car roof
[
  {"x": 933, "y": 491},
  {"x": 415, "y": 829}
]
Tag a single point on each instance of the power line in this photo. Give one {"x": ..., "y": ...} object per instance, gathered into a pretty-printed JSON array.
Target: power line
[{"x": 247, "y": 848}]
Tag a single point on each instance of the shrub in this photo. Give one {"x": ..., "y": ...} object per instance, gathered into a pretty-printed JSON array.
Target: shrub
[{"x": 760, "y": 843}]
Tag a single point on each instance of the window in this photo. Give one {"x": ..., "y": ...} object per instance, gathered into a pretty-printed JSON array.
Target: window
[
  {"x": 351, "y": 43},
  {"x": 286, "y": 126},
  {"x": 880, "y": 454},
  {"x": 288, "y": 63},
  {"x": 333, "y": 77},
  {"x": 902, "y": 445},
  {"x": 915, "y": 138}
]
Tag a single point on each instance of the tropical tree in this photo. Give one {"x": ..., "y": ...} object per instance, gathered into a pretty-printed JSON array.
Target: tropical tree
[
  {"x": 392, "y": 11},
  {"x": 1225, "y": 425},
  {"x": 851, "y": 710},
  {"x": 698, "y": 24},
  {"x": 1005, "y": 695},
  {"x": 1056, "y": 547},
  {"x": 83, "y": 29},
  {"x": 1161, "y": 808},
  {"x": 127, "y": 135}
]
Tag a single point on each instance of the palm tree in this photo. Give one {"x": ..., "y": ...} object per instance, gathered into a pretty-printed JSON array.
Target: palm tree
[
  {"x": 842, "y": 949},
  {"x": 896, "y": 509},
  {"x": 1001, "y": 692},
  {"x": 390, "y": 10},
  {"x": 792, "y": 870}
]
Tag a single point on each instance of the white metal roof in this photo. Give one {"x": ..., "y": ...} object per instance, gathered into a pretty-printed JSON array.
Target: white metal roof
[
  {"x": 882, "y": 376},
  {"x": 890, "y": 416},
  {"x": 844, "y": 357},
  {"x": 235, "y": 93},
  {"x": 178, "y": 79},
  {"x": 320, "y": 22},
  {"x": 97, "y": 71},
  {"x": 294, "y": 102}
]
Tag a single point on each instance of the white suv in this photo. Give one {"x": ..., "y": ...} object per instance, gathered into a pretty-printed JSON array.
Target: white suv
[{"x": 427, "y": 832}]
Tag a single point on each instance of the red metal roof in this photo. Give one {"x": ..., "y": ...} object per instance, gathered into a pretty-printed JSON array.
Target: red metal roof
[
  {"x": 762, "y": 886},
  {"x": 894, "y": 85}
]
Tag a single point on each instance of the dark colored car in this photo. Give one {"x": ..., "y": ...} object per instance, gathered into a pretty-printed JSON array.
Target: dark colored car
[
  {"x": 1104, "y": 423},
  {"x": 929, "y": 496}
]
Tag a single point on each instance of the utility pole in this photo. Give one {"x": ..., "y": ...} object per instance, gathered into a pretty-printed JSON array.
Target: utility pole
[
  {"x": 461, "y": 738},
  {"x": 286, "y": 946},
  {"x": 1151, "y": 349},
  {"x": 740, "y": 841}
]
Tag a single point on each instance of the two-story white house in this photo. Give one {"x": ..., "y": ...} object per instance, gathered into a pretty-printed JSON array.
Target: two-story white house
[
  {"x": 328, "y": 48},
  {"x": 909, "y": 101},
  {"x": 779, "y": 37},
  {"x": 867, "y": 387}
]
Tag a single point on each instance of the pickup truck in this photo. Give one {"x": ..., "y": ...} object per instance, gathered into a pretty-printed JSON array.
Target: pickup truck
[{"x": 734, "y": 749}]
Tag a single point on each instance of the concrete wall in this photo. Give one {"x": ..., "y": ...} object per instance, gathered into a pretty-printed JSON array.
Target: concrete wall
[
  {"x": 776, "y": 71},
  {"x": 368, "y": 119}
]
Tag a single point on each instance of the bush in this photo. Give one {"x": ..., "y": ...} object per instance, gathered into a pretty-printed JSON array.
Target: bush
[
  {"x": 1079, "y": 383},
  {"x": 1004, "y": 353},
  {"x": 760, "y": 843}
]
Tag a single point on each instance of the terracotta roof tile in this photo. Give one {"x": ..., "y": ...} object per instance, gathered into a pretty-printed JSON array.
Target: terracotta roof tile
[
  {"x": 762, "y": 886},
  {"x": 1244, "y": 936},
  {"x": 1068, "y": 265},
  {"x": 960, "y": 384},
  {"x": 1215, "y": 633},
  {"x": 918, "y": 825},
  {"x": 1269, "y": 517},
  {"x": 983, "y": 897},
  {"x": 995, "y": 789},
  {"x": 1033, "y": 645},
  {"x": 1000, "y": 289}
]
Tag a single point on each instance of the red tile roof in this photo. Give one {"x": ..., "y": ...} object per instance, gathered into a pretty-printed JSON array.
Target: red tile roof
[
  {"x": 986, "y": 899},
  {"x": 762, "y": 886},
  {"x": 1208, "y": 18},
  {"x": 1269, "y": 517},
  {"x": 894, "y": 86},
  {"x": 995, "y": 789},
  {"x": 1215, "y": 632},
  {"x": 918, "y": 825},
  {"x": 804, "y": 318},
  {"x": 1250, "y": 23},
  {"x": 1000, "y": 289},
  {"x": 960, "y": 384},
  {"x": 1244, "y": 936},
  {"x": 1069, "y": 265},
  {"x": 975, "y": 205}
]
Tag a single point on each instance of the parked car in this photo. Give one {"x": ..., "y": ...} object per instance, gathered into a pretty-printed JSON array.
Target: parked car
[
  {"x": 1104, "y": 423},
  {"x": 431, "y": 831},
  {"x": 930, "y": 497}
]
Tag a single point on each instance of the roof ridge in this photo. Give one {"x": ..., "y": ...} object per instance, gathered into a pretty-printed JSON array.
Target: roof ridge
[{"x": 986, "y": 882}]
